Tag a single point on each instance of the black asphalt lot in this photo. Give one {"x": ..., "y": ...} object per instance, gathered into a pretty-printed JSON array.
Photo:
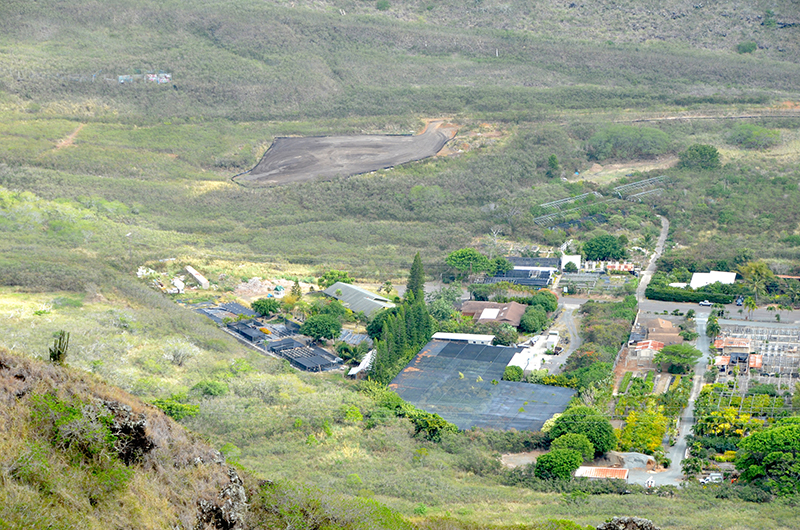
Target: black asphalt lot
[{"x": 291, "y": 160}]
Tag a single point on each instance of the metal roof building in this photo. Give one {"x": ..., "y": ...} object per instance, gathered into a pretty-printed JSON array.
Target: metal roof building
[
  {"x": 602, "y": 472},
  {"x": 357, "y": 299}
]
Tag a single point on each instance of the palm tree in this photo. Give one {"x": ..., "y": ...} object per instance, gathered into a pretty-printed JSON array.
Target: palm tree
[
  {"x": 792, "y": 288},
  {"x": 756, "y": 274},
  {"x": 772, "y": 309},
  {"x": 750, "y": 305},
  {"x": 712, "y": 328}
]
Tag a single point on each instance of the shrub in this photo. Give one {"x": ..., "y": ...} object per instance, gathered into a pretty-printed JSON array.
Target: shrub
[
  {"x": 674, "y": 294},
  {"x": 589, "y": 422},
  {"x": 746, "y": 47},
  {"x": 699, "y": 156},
  {"x": 626, "y": 141},
  {"x": 513, "y": 373},
  {"x": 211, "y": 388},
  {"x": 557, "y": 464},
  {"x": 176, "y": 408},
  {"x": 752, "y": 136},
  {"x": 626, "y": 379},
  {"x": 576, "y": 442},
  {"x": 383, "y": 5}
]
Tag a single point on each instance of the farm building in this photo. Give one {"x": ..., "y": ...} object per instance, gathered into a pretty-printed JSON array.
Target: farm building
[
  {"x": 357, "y": 299},
  {"x": 661, "y": 330},
  {"x": 506, "y": 313},
  {"x": 701, "y": 279},
  {"x": 463, "y": 384},
  {"x": 575, "y": 259},
  {"x": 466, "y": 338},
  {"x": 602, "y": 473},
  {"x": 249, "y": 330},
  {"x": 304, "y": 357}
]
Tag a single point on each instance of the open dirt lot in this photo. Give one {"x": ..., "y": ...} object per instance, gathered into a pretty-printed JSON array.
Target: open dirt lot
[{"x": 300, "y": 159}]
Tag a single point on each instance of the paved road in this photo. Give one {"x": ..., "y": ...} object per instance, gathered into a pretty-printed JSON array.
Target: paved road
[{"x": 644, "y": 279}]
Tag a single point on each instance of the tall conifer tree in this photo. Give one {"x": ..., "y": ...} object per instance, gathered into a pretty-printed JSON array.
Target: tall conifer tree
[{"x": 416, "y": 278}]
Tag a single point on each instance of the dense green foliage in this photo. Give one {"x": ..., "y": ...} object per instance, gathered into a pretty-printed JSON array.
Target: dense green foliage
[
  {"x": 699, "y": 157},
  {"x": 587, "y": 421},
  {"x": 416, "y": 278},
  {"x": 513, "y": 373},
  {"x": 680, "y": 356},
  {"x": 770, "y": 457},
  {"x": 558, "y": 464},
  {"x": 603, "y": 247},
  {"x": 322, "y": 326},
  {"x": 674, "y": 294},
  {"x": 752, "y": 136},
  {"x": 576, "y": 442},
  {"x": 468, "y": 260},
  {"x": 266, "y": 306},
  {"x": 333, "y": 276},
  {"x": 625, "y": 141}
]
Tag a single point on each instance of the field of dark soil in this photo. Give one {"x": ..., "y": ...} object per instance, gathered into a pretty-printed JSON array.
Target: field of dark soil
[{"x": 291, "y": 160}]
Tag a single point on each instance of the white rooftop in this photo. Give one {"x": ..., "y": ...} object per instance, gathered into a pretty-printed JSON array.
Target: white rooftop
[
  {"x": 490, "y": 313},
  {"x": 472, "y": 338},
  {"x": 701, "y": 279}
]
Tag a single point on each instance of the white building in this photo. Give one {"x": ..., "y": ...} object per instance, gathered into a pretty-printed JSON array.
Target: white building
[
  {"x": 469, "y": 338},
  {"x": 701, "y": 279},
  {"x": 575, "y": 259}
]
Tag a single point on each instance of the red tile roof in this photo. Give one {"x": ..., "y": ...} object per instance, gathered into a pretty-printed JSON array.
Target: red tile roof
[{"x": 650, "y": 345}]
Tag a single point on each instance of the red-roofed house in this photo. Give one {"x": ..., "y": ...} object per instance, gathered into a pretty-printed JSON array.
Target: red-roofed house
[{"x": 602, "y": 472}]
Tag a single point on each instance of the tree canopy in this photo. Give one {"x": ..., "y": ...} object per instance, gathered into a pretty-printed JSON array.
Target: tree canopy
[
  {"x": 558, "y": 463},
  {"x": 266, "y": 306},
  {"x": 772, "y": 457},
  {"x": 416, "y": 278},
  {"x": 603, "y": 247},
  {"x": 513, "y": 373},
  {"x": 499, "y": 265},
  {"x": 468, "y": 260},
  {"x": 699, "y": 156},
  {"x": 587, "y": 421},
  {"x": 333, "y": 276},
  {"x": 322, "y": 326},
  {"x": 576, "y": 442},
  {"x": 682, "y": 356}
]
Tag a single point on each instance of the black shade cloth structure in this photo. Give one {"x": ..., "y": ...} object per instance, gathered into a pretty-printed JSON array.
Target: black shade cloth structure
[{"x": 463, "y": 384}]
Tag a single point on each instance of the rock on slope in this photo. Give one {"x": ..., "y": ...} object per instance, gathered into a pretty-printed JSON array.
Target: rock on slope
[{"x": 75, "y": 452}]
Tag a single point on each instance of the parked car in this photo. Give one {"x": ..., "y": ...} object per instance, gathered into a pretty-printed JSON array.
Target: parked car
[
  {"x": 740, "y": 301},
  {"x": 706, "y": 303}
]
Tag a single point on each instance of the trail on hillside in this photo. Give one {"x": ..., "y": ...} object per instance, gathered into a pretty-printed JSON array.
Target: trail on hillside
[{"x": 69, "y": 139}]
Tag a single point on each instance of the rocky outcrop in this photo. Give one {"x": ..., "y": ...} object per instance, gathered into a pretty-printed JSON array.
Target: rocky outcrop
[
  {"x": 628, "y": 523},
  {"x": 131, "y": 432},
  {"x": 228, "y": 510}
]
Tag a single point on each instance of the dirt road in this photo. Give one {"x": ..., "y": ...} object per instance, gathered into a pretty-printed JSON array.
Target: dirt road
[{"x": 291, "y": 160}]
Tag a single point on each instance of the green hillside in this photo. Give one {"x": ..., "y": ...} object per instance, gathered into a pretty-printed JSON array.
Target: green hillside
[{"x": 98, "y": 178}]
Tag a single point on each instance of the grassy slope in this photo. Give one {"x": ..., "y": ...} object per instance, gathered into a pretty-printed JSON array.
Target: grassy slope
[{"x": 248, "y": 71}]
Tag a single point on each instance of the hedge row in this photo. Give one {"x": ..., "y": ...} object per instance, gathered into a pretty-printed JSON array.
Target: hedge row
[
  {"x": 626, "y": 379},
  {"x": 674, "y": 294}
]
